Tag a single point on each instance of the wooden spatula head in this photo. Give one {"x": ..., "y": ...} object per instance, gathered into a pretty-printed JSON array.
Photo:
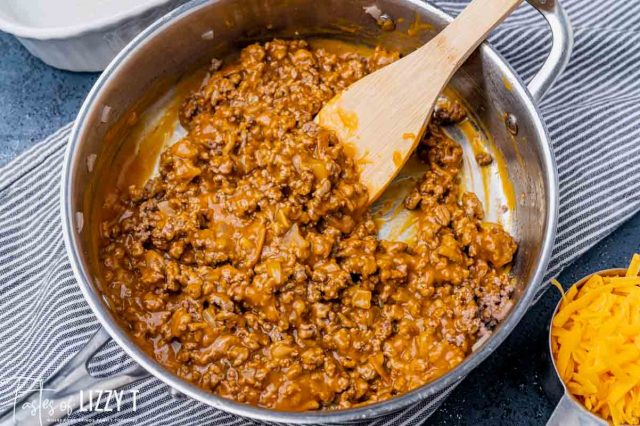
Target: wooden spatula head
[{"x": 382, "y": 117}]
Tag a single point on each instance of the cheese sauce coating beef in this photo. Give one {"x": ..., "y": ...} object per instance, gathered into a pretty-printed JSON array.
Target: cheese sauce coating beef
[{"x": 251, "y": 266}]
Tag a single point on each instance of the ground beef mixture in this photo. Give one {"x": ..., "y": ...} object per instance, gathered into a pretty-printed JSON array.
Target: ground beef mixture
[{"x": 251, "y": 267}]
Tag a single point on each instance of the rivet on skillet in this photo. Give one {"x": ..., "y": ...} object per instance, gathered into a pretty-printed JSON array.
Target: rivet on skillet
[
  {"x": 511, "y": 122},
  {"x": 386, "y": 23}
]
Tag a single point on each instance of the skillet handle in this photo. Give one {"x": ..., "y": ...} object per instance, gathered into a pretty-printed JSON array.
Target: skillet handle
[
  {"x": 561, "y": 47},
  {"x": 67, "y": 390}
]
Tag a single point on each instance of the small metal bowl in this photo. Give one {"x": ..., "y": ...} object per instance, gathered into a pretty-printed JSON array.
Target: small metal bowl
[{"x": 570, "y": 411}]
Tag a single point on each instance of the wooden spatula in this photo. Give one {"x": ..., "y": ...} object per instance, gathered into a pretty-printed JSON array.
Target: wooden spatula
[{"x": 383, "y": 116}]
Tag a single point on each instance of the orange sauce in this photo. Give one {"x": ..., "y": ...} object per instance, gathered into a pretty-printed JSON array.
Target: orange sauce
[
  {"x": 417, "y": 26},
  {"x": 139, "y": 165},
  {"x": 134, "y": 147},
  {"x": 339, "y": 46},
  {"x": 482, "y": 142},
  {"x": 474, "y": 136},
  {"x": 350, "y": 150},
  {"x": 347, "y": 26},
  {"x": 397, "y": 158},
  {"x": 349, "y": 119},
  {"x": 409, "y": 136}
]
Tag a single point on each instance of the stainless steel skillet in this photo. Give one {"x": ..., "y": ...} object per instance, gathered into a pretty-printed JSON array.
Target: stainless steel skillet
[{"x": 197, "y": 31}]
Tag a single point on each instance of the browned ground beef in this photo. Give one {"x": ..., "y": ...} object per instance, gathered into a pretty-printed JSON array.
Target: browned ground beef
[{"x": 251, "y": 266}]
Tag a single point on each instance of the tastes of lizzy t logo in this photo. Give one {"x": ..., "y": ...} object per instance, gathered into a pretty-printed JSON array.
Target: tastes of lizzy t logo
[{"x": 35, "y": 404}]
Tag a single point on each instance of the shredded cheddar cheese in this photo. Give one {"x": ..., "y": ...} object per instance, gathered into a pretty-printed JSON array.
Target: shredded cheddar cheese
[
  {"x": 557, "y": 285},
  {"x": 595, "y": 339}
]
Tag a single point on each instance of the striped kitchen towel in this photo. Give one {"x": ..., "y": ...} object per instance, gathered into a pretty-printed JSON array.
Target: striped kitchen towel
[{"x": 591, "y": 115}]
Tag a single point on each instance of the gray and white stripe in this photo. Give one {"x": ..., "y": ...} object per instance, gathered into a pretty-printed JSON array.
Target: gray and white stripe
[{"x": 591, "y": 113}]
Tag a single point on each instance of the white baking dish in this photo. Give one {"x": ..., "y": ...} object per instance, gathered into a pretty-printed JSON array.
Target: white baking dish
[{"x": 79, "y": 35}]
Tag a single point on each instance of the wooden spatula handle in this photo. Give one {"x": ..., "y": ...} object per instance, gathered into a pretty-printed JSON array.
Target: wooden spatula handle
[
  {"x": 453, "y": 45},
  {"x": 473, "y": 25}
]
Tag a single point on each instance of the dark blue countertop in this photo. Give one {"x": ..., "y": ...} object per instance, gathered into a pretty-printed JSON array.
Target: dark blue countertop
[{"x": 507, "y": 389}]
